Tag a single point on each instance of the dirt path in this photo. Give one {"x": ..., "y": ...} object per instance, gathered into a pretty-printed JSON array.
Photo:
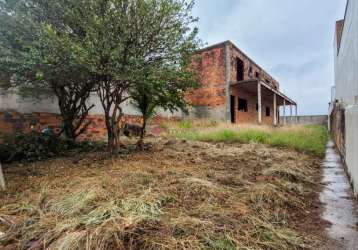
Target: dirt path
[{"x": 340, "y": 208}]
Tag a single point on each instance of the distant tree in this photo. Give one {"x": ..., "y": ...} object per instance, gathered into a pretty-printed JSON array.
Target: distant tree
[
  {"x": 162, "y": 88},
  {"x": 40, "y": 54},
  {"x": 166, "y": 38}
]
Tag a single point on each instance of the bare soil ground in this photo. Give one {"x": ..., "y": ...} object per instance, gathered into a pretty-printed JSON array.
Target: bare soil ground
[{"x": 176, "y": 195}]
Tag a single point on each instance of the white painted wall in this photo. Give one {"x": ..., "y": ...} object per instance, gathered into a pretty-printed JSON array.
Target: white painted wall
[
  {"x": 346, "y": 86},
  {"x": 352, "y": 144},
  {"x": 346, "y": 62},
  {"x": 14, "y": 102}
]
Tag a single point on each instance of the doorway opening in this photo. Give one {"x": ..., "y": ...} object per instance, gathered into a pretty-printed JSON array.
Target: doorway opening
[{"x": 232, "y": 109}]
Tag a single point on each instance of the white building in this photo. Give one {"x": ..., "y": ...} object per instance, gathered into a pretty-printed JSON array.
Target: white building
[{"x": 344, "y": 117}]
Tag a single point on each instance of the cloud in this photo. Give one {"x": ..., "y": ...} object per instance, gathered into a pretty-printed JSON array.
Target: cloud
[
  {"x": 292, "y": 40},
  {"x": 297, "y": 71}
]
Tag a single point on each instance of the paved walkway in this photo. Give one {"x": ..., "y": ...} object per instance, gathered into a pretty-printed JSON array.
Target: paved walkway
[{"x": 340, "y": 208}]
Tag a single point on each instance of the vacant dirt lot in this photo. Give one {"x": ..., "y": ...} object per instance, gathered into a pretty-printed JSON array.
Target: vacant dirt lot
[{"x": 176, "y": 195}]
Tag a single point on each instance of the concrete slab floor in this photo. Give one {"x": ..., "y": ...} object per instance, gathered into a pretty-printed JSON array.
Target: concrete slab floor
[{"x": 340, "y": 208}]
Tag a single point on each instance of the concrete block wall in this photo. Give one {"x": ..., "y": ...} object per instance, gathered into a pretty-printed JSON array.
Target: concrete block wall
[
  {"x": 207, "y": 112},
  {"x": 306, "y": 120}
]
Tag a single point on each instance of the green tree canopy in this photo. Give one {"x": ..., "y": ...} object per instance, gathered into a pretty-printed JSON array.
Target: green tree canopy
[
  {"x": 131, "y": 41},
  {"x": 119, "y": 48},
  {"x": 41, "y": 54}
]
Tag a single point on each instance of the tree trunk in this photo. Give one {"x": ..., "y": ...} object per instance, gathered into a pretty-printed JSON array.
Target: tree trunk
[
  {"x": 113, "y": 132},
  {"x": 140, "y": 143},
  {"x": 111, "y": 100},
  {"x": 2, "y": 179},
  {"x": 69, "y": 130},
  {"x": 110, "y": 142},
  {"x": 73, "y": 108}
]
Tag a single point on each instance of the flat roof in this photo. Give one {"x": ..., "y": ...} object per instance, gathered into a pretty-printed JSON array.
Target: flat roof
[{"x": 254, "y": 82}]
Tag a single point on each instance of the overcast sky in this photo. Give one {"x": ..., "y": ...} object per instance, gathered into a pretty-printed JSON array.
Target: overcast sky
[{"x": 291, "y": 39}]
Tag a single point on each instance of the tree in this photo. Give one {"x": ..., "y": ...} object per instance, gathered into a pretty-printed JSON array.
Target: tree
[
  {"x": 40, "y": 49},
  {"x": 162, "y": 88},
  {"x": 163, "y": 55},
  {"x": 125, "y": 38},
  {"x": 107, "y": 49},
  {"x": 107, "y": 43}
]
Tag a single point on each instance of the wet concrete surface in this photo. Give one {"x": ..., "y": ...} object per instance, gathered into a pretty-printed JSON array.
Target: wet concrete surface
[{"x": 341, "y": 210}]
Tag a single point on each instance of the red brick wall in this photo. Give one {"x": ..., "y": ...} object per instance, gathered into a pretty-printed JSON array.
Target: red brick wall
[
  {"x": 210, "y": 64},
  {"x": 248, "y": 63},
  {"x": 11, "y": 122},
  {"x": 211, "y": 69}
]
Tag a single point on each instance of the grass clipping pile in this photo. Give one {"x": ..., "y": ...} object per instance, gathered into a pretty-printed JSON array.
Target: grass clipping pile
[{"x": 178, "y": 195}]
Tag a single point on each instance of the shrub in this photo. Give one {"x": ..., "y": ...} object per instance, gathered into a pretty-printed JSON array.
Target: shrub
[
  {"x": 30, "y": 147},
  {"x": 36, "y": 146},
  {"x": 89, "y": 146}
]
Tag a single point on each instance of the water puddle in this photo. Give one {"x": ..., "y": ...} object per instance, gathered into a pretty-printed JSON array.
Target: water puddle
[{"x": 340, "y": 208}]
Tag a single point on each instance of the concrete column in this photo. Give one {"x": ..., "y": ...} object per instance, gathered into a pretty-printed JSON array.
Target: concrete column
[
  {"x": 274, "y": 109},
  {"x": 284, "y": 112},
  {"x": 291, "y": 118},
  {"x": 227, "y": 80},
  {"x": 296, "y": 114},
  {"x": 259, "y": 103}
]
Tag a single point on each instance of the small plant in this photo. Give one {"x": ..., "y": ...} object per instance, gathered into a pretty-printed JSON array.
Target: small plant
[
  {"x": 30, "y": 147},
  {"x": 185, "y": 124},
  {"x": 224, "y": 243}
]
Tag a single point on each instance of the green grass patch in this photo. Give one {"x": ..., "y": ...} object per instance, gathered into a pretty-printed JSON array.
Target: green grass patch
[
  {"x": 185, "y": 124},
  {"x": 309, "y": 139}
]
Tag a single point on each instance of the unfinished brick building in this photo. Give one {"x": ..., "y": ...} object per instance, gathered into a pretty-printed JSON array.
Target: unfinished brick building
[{"x": 234, "y": 88}]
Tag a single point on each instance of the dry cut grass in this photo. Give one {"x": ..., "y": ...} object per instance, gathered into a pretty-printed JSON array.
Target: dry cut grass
[{"x": 179, "y": 195}]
